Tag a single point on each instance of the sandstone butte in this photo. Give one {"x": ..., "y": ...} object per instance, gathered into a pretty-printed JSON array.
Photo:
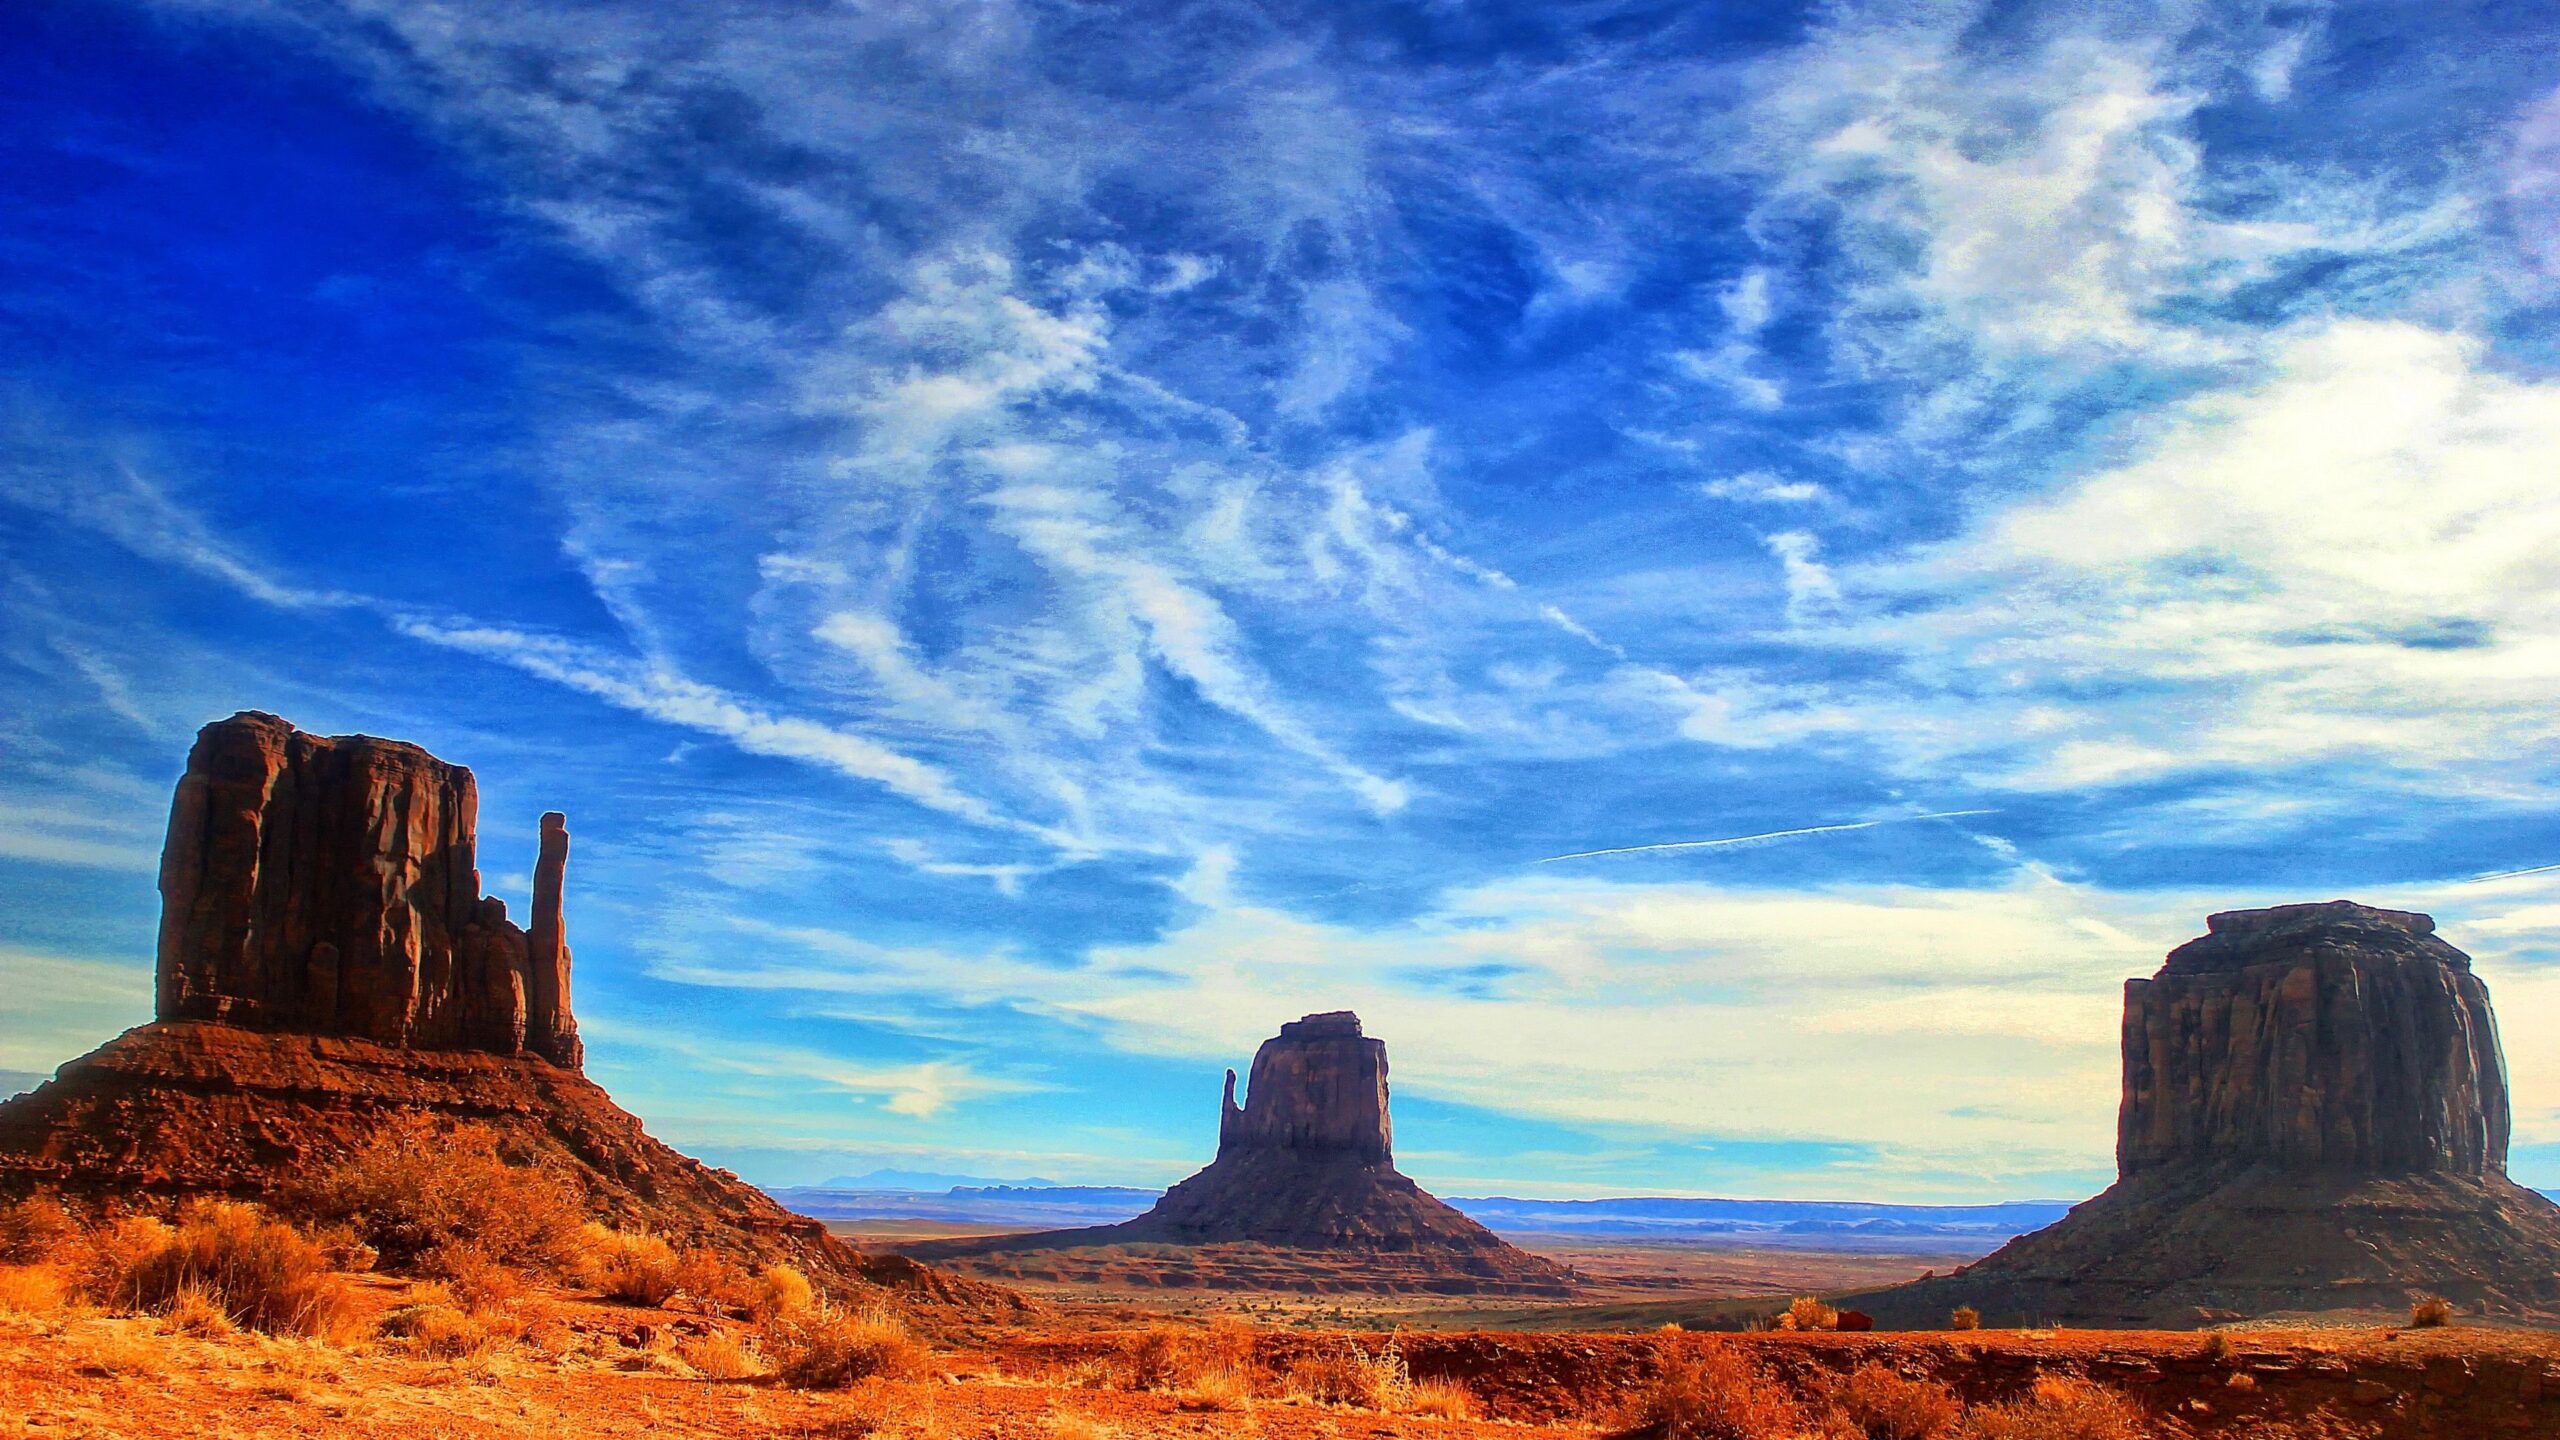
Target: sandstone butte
[
  {"x": 327, "y": 963},
  {"x": 2314, "y": 1122},
  {"x": 1304, "y": 1193}
]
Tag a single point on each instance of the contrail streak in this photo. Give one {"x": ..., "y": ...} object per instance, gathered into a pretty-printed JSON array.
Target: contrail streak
[
  {"x": 1779, "y": 835},
  {"x": 2510, "y": 874}
]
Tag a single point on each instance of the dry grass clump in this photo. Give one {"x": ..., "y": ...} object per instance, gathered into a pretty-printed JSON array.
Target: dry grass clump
[
  {"x": 876, "y": 1410},
  {"x": 1964, "y": 1317},
  {"x": 1714, "y": 1392},
  {"x": 1345, "y": 1374},
  {"x": 1076, "y": 1425},
  {"x": 1219, "y": 1390},
  {"x": 631, "y": 1266},
  {"x": 824, "y": 1348},
  {"x": 34, "y": 1229},
  {"x": 1441, "y": 1400},
  {"x": 433, "y": 1324},
  {"x": 195, "y": 1310},
  {"x": 31, "y": 1289},
  {"x": 477, "y": 1281},
  {"x": 777, "y": 1291},
  {"x": 1886, "y": 1405},
  {"x": 419, "y": 1186},
  {"x": 1177, "y": 1357},
  {"x": 263, "y": 1274},
  {"x": 2430, "y": 1312},
  {"x": 721, "y": 1355},
  {"x": 2058, "y": 1408}
]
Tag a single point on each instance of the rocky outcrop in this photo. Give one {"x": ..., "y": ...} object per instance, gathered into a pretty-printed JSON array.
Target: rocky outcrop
[
  {"x": 2314, "y": 1122},
  {"x": 327, "y": 964},
  {"x": 174, "y": 1110},
  {"x": 2311, "y": 1036},
  {"x": 331, "y": 886},
  {"x": 1318, "y": 1088},
  {"x": 1304, "y": 1193}
]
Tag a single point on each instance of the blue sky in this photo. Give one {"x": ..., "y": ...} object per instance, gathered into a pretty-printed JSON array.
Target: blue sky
[{"x": 1035, "y": 542}]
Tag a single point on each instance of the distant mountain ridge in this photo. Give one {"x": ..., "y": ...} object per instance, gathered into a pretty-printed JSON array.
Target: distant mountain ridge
[
  {"x": 1805, "y": 1224},
  {"x": 928, "y": 1181},
  {"x": 1664, "y": 1215}
]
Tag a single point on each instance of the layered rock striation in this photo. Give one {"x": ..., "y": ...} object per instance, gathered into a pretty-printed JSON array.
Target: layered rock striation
[
  {"x": 2313, "y": 1036},
  {"x": 2314, "y": 1121},
  {"x": 331, "y": 886},
  {"x": 1318, "y": 1088},
  {"x": 1304, "y": 1193}
]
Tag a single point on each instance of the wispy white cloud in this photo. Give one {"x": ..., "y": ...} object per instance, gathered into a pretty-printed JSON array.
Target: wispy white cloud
[
  {"x": 2354, "y": 558},
  {"x": 1766, "y": 836},
  {"x": 921, "y": 1090},
  {"x": 1764, "y": 488}
]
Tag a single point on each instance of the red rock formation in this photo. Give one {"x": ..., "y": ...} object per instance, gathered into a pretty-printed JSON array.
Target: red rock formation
[
  {"x": 177, "y": 1109},
  {"x": 548, "y": 1026},
  {"x": 1318, "y": 1088},
  {"x": 330, "y": 886},
  {"x": 1304, "y": 1192},
  {"x": 2310, "y": 1036},
  {"x": 327, "y": 963},
  {"x": 2314, "y": 1122}
]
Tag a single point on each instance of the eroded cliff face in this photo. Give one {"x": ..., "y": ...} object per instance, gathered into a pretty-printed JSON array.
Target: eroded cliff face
[
  {"x": 2333, "y": 1036},
  {"x": 331, "y": 886},
  {"x": 2314, "y": 1122},
  {"x": 1318, "y": 1088}
]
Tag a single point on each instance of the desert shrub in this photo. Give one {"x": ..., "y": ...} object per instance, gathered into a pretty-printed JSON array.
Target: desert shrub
[
  {"x": 433, "y": 1324},
  {"x": 1441, "y": 1400},
  {"x": 721, "y": 1356},
  {"x": 418, "y": 1186},
  {"x": 631, "y": 1266},
  {"x": 823, "y": 1347},
  {"x": 476, "y": 1281},
  {"x": 2058, "y": 1408},
  {"x": 1807, "y": 1313},
  {"x": 2430, "y": 1312},
  {"x": 2216, "y": 1348},
  {"x": 345, "y": 1246},
  {"x": 1713, "y": 1392},
  {"x": 263, "y": 1274},
  {"x": 113, "y": 1250},
  {"x": 1345, "y": 1374},
  {"x": 714, "y": 1280},
  {"x": 31, "y": 1289},
  {"x": 1176, "y": 1357},
  {"x": 1886, "y": 1405},
  {"x": 34, "y": 1229},
  {"x": 779, "y": 1290},
  {"x": 1964, "y": 1317}
]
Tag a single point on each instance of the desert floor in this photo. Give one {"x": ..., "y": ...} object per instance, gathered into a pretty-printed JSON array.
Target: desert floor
[
  {"x": 581, "y": 1367},
  {"x": 1622, "y": 1274}
]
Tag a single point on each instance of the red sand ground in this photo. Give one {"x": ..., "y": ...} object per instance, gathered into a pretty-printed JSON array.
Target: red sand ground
[{"x": 586, "y": 1368}]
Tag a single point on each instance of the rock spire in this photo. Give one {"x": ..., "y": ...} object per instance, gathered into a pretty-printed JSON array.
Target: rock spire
[
  {"x": 1304, "y": 1192},
  {"x": 330, "y": 886}
]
